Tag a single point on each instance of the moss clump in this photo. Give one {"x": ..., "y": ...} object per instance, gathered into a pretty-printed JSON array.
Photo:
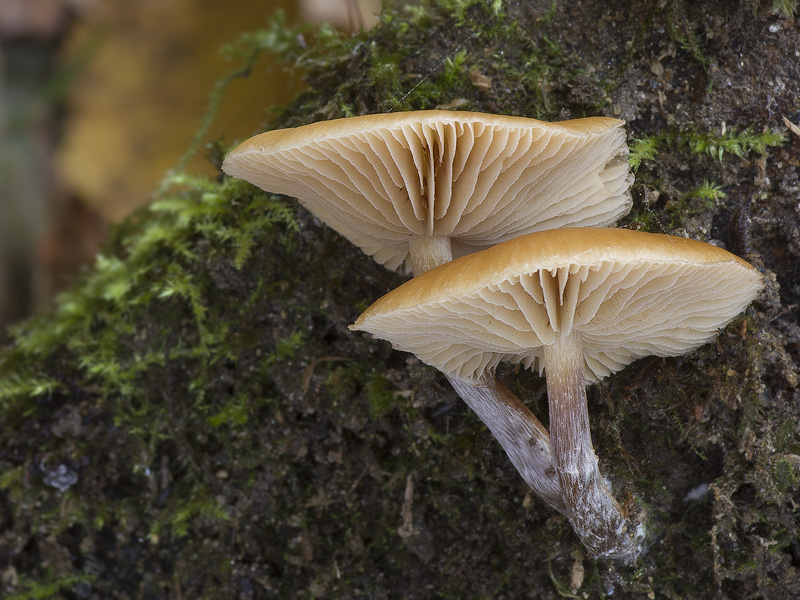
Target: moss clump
[
  {"x": 679, "y": 206},
  {"x": 739, "y": 143},
  {"x": 50, "y": 587},
  {"x": 103, "y": 365}
]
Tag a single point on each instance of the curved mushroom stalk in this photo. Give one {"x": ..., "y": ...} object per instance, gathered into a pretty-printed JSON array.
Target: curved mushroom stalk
[
  {"x": 595, "y": 515},
  {"x": 521, "y": 435}
]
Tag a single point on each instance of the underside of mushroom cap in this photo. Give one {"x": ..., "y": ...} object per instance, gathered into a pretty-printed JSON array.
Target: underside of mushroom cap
[
  {"x": 630, "y": 294},
  {"x": 479, "y": 178}
]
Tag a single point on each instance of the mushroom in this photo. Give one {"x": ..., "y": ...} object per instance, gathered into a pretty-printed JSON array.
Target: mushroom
[
  {"x": 578, "y": 304},
  {"x": 415, "y": 188}
]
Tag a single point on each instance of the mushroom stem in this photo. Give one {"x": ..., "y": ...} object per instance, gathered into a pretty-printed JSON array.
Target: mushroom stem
[
  {"x": 519, "y": 432},
  {"x": 429, "y": 251},
  {"x": 597, "y": 518},
  {"x": 521, "y": 435}
]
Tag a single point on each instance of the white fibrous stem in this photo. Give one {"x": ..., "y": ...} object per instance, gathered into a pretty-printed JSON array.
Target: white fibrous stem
[
  {"x": 429, "y": 251},
  {"x": 521, "y": 435},
  {"x": 597, "y": 518},
  {"x": 519, "y": 432}
]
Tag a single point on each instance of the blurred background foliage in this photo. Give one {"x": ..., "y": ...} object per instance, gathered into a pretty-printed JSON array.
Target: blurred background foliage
[{"x": 99, "y": 99}]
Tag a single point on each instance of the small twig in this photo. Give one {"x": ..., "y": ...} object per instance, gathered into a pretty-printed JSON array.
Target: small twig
[
  {"x": 309, "y": 372},
  {"x": 407, "y": 528},
  {"x": 356, "y": 482}
]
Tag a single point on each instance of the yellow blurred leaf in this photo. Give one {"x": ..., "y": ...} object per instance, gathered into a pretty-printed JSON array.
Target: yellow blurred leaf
[{"x": 134, "y": 110}]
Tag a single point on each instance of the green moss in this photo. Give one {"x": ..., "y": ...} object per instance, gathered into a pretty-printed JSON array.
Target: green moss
[
  {"x": 196, "y": 506},
  {"x": 707, "y": 193},
  {"x": 23, "y": 387},
  {"x": 175, "y": 260},
  {"x": 681, "y": 205},
  {"x": 459, "y": 8},
  {"x": 12, "y": 481},
  {"x": 49, "y": 587},
  {"x": 447, "y": 86},
  {"x": 683, "y": 32},
  {"x": 785, "y": 475},
  {"x": 645, "y": 148},
  {"x": 381, "y": 394},
  {"x": 740, "y": 143},
  {"x": 700, "y": 200},
  {"x": 787, "y": 436},
  {"x": 398, "y": 77},
  {"x": 787, "y": 7},
  {"x": 235, "y": 413}
]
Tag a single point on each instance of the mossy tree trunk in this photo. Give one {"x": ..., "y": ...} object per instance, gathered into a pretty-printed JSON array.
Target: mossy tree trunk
[{"x": 196, "y": 421}]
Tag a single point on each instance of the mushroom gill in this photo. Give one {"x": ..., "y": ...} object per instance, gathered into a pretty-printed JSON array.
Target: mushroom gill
[{"x": 475, "y": 178}]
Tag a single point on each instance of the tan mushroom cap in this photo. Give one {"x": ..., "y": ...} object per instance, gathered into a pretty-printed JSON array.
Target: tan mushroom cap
[
  {"x": 480, "y": 178},
  {"x": 630, "y": 294}
]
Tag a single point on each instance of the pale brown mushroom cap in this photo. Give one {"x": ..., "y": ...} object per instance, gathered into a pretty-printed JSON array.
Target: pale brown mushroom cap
[
  {"x": 478, "y": 178},
  {"x": 630, "y": 294}
]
